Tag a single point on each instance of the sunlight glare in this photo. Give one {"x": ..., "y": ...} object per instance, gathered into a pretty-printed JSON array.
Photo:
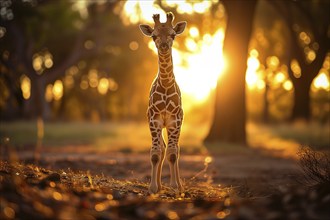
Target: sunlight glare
[
  {"x": 141, "y": 11},
  {"x": 198, "y": 69},
  {"x": 191, "y": 44},
  {"x": 261, "y": 84},
  {"x": 322, "y": 81},
  {"x": 185, "y": 7},
  {"x": 279, "y": 77},
  {"x": 194, "y": 32},
  {"x": 189, "y": 7},
  {"x": 251, "y": 77},
  {"x": 201, "y": 7},
  {"x": 254, "y": 53},
  {"x": 203, "y": 66},
  {"x": 253, "y": 63}
]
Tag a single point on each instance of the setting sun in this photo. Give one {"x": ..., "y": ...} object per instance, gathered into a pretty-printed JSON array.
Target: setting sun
[
  {"x": 198, "y": 68},
  {"x": 203, "y": 66}
]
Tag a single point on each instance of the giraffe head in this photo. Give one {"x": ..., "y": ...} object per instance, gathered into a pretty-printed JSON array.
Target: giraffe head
[{"x": 163, "y": 34}]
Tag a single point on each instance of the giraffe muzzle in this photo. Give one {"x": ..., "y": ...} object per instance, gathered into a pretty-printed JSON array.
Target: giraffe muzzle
[{"x": 164, "y": 46}]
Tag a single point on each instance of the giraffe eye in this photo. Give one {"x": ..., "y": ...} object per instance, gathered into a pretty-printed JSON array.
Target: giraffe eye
[
  {"x": 173, "y": 36},
  {"x": 154, "y": 37}
]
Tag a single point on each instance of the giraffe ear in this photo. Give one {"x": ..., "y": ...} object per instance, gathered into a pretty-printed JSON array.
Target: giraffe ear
[
  {"x": 146, "y": 29},
  {"x": 179, "y": 27}
]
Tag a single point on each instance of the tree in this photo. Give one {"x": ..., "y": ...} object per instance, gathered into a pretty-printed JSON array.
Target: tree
[
  {"x": 32, "y": 31},
  {"x": 99, "y": 41},
  {"x": 308, "y": 24},
  {"x": 229, "y": 116}
]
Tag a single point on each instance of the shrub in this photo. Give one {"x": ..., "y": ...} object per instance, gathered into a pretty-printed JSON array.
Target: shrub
[{"x": 316, "y": 168}]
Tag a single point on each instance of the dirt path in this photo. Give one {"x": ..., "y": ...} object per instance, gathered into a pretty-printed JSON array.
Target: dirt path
[{"x": 253, "y": 172}]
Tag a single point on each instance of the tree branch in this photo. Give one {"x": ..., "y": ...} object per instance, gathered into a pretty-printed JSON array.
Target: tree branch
[
  {"x": 321, "y": 38},
  {"x": 76, "y": 53}
]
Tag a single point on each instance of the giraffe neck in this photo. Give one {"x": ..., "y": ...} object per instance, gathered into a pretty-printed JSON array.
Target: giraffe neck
[{"x": 165, "y": 72}]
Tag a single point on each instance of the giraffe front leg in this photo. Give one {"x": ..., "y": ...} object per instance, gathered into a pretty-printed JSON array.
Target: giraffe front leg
[
  {"x": 160, "y": 167},
  {"x": 156, "y": 158}
]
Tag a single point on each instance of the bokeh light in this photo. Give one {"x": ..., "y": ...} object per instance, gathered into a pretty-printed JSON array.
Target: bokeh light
[
  {"x": 58, "y": 90},
  {"x": 103, "y": 86},
  {"x": 26, "y": 86}
]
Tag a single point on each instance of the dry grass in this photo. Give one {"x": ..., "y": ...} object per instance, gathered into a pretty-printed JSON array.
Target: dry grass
[
  {"x": 30, "y": 191},
  {"x": 38, "y": 193},
  {"x": 33, "y": 192},
  {"x": 316, "y": 167}
]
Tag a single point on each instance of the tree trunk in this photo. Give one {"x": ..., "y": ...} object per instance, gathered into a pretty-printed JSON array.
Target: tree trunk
[
  {"x": 318, "y": 25},
  {"x": 265, "y": 111},
  {"x": 301, "y": 106},
  {"x": 36, "y": 105},
  {"x": 29, "y": 109},
  {"x": 229, "y": 116},
  {"x": 45, "y": 111}
]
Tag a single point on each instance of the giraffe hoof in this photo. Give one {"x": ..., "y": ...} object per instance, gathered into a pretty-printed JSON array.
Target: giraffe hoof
[
  {"x": 153, "y": 189},
  {"x": 177, "y": 187}
]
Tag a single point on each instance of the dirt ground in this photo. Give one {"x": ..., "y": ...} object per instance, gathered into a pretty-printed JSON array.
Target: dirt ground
[
  {"x": 106, "y": 176},
  {"x": 252, "y": 172},
  {"x": 84, "y": 182}
]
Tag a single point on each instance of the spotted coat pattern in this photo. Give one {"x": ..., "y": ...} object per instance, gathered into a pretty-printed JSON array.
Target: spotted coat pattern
[{"x": 165, "y": 107}]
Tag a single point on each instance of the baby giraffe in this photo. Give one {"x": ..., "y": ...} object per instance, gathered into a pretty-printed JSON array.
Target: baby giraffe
[{"x": 165, "y": 110}]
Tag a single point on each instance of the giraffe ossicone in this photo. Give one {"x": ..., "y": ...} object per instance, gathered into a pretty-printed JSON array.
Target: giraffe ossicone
[{"x": 165, "y": 107}]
